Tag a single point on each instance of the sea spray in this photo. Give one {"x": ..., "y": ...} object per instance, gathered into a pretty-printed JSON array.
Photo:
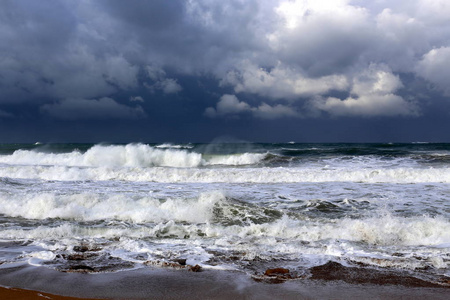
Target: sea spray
[
  {"x": 245, "y": 207},
  {"x": 93, "y": 206},
  {"x": 228, "y": 175},
  {"x": 132, "y": 155}
]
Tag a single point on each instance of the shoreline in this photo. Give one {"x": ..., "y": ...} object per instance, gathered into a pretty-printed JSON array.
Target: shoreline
[
  {"x": 28, "y": 282},
  {"x": 7, "y": 293}
]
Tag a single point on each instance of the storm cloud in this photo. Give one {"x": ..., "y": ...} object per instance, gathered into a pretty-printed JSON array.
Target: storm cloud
[{"x": 235, "y": 60}]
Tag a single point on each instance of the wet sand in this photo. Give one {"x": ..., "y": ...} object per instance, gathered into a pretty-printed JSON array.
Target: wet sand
[
  {"x": 16, "y": 294},
  {"x": 157, "y": 283}
]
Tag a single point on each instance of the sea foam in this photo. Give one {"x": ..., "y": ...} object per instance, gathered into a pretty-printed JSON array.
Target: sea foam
[
  {"x": 227, "y": 175},
  {"x": 219, "y": 216},
  {"x": 131, "y": 155},
  {"x": 92, "y": 207}
]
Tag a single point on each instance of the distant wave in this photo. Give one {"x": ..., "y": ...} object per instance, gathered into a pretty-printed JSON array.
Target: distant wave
[
  {"x": 171, "y": 146},
  {"x": 168, "y": 163},
  {"x": 132, "y": 155}
]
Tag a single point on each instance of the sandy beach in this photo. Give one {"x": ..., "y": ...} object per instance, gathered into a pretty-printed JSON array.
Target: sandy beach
[
  {"x": 14, "y": 294},
  {"x": 157, "y": 283}
]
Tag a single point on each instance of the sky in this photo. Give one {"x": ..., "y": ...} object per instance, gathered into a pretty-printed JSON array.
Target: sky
[{"x": 204, "y": 71}]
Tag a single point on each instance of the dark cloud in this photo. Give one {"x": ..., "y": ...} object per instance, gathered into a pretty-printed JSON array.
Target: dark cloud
[
  {"x": 206, "y": 62},
  {"x": 147, "y": 16},
  {"x": 103, "y": 108}
]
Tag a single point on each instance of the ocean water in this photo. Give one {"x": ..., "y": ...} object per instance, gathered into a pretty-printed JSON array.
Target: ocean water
[{"x": 244, "y": 207}]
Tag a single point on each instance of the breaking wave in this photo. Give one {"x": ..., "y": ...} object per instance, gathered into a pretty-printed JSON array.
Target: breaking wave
[
  {"x": 214, "y": 215},
  {"x": 238, "y": 206},
  {"x": 227, "y": 175},
  {"x": 92, "y": 207},
  {"x": 132, "y": 155},
  {"x": 172, "y": 146}
]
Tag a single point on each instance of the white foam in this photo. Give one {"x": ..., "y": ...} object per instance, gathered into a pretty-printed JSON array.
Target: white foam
[
  {"x": 139, "y": 162},
  {"x": 192, "y": 230},
  {"x": 45, "y": 255},
  {"x": 385, "y": 231},
  {"x": 90, "y": 207},
  {"x": 284, "y": 238},
  {"x": 389, "y": 230},
  {"x": 132, "y": 155},
  {"x": 171, "y": 146},
  {"x": 139, "y": 155},
  {"x": 236, "y": 159},
  {"x": 229, "y": 175},
  {"x": 26, "y": 157}
]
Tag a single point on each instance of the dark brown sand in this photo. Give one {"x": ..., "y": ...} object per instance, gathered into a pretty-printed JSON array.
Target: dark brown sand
[
  {"x": 20, "y": 294},
  {"x": 159, "y": 283}
]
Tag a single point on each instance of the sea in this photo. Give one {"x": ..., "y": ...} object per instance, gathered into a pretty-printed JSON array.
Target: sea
[{"x": 241, "y": 207}]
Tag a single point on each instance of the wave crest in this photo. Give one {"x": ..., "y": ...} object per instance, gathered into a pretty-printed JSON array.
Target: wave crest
[
  {"x": 131, "y": 155},
  {"x": 140, "y": 155}
]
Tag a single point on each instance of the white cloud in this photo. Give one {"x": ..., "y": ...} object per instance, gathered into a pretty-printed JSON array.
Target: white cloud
[
  {"x": 295, "y": 12},
  {"x": 282, "y": 50},
  {"x": 325, "y": 46},
  {"x": 281, "y": 82},
  {"x": 169, "y": 86},
  {"x": 435, "y": 67},
  {"x": 229, "y": 105},
  {"x": 376, "y": 80},
  {"x": 321, "y": 38},
  {"x": 265, "y": 111},
  {"x": 103, "y": 108},
  {"x": 435, "y": 12},
  {"x": 399, "y": 27},
  {"x": 372, "y": 94},
  {"x": 368, "y": 105}
]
